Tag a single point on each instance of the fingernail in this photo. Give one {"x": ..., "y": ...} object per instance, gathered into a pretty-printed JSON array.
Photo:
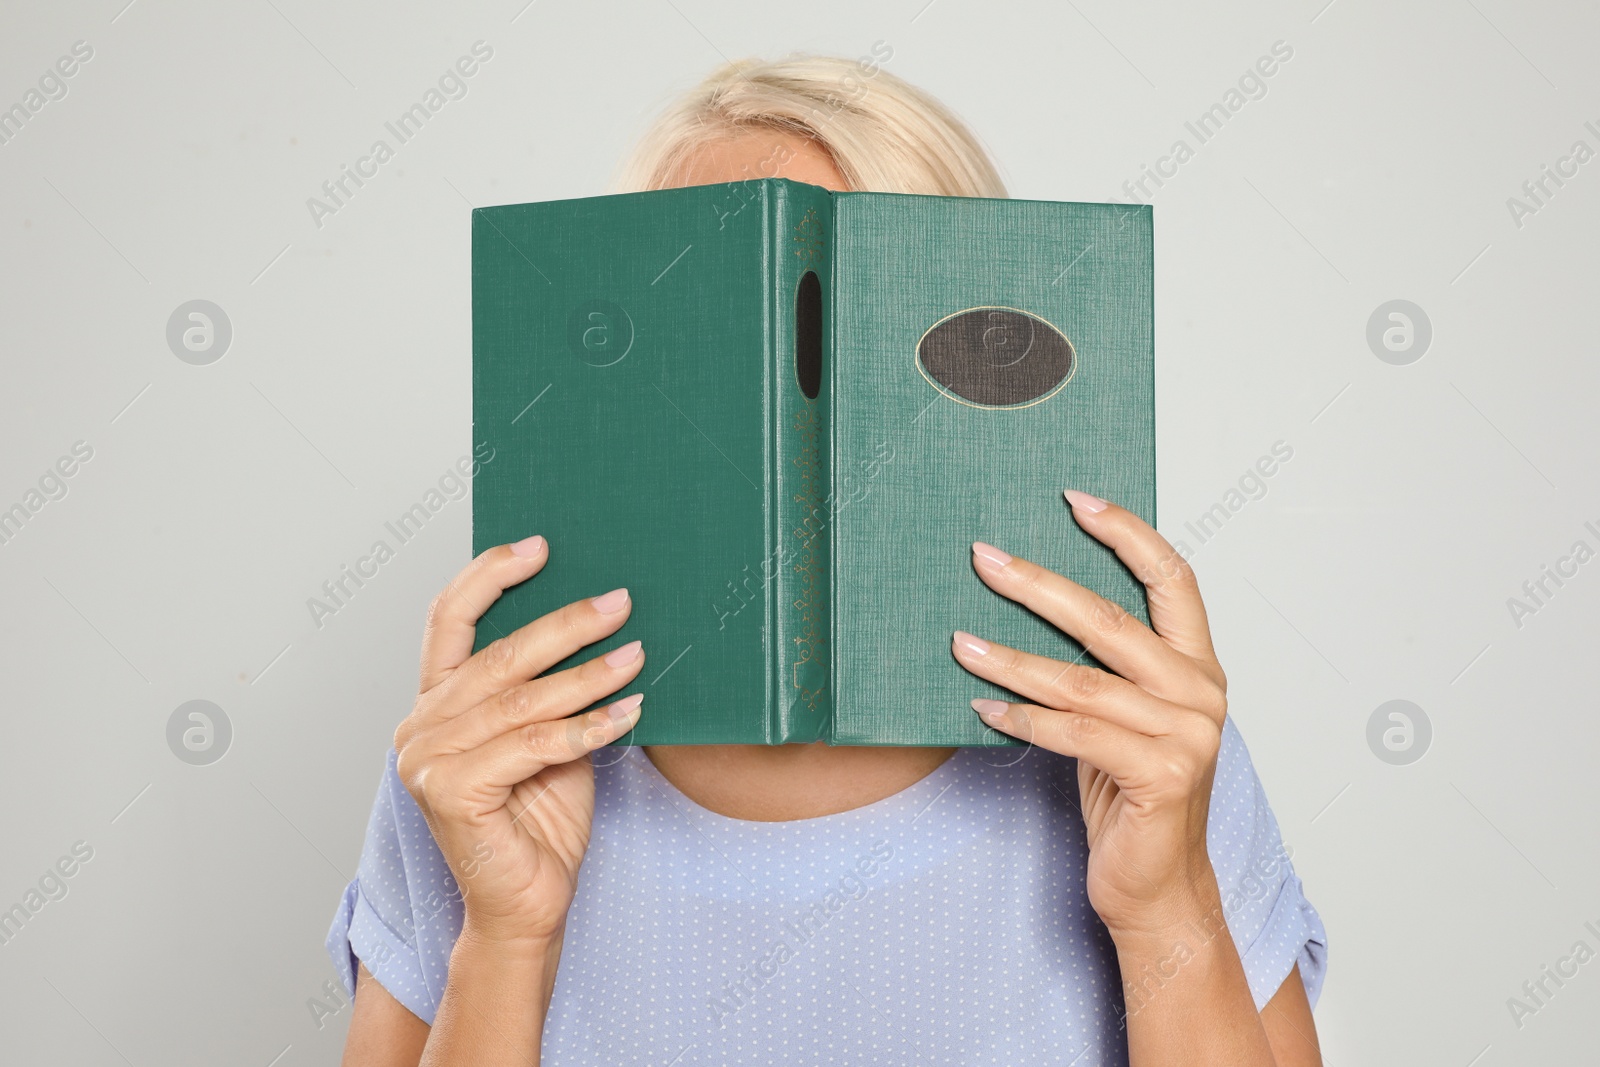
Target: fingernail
[
  {"x": 989, "y": 555},
  {"x": 621, "y": 657},
  {"x": 528, "y": 546},
  {"x": 1083, "y": 500},
  {"x": 621, "y": 709},
  {"x": 992, "y": 710},
  {"x": 977, "y": 646},
  {"x": 610, "y": 603}
]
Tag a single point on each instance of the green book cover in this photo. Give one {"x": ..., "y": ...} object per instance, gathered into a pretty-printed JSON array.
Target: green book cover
[{"x": 781, "y": 415}]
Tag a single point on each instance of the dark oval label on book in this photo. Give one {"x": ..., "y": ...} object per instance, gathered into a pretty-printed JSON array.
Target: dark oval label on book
[{"x": 996, "y": 357}]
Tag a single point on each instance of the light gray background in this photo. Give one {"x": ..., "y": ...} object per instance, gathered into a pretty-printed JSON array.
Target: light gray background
[{"x": 1378, "y": 566}]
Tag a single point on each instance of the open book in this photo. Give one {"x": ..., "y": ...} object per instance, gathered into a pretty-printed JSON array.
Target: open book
[{"x": 780, "y": 416}]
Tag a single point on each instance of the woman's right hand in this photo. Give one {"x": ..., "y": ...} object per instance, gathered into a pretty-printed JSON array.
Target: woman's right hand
[{"x": 495, "y": 756}]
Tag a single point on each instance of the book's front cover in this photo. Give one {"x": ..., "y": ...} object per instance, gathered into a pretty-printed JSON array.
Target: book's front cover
[
  {"x": 959, "y": 415},
  {"x": 618, "y": 375}
]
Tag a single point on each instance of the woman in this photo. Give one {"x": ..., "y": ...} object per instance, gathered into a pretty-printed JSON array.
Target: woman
[{"x": 1116, "y": 893}]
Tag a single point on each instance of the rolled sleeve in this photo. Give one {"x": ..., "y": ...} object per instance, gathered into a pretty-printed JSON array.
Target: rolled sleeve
[
  {"x": 401, "y": 914},
  {"x": 1273, "y": 925}
]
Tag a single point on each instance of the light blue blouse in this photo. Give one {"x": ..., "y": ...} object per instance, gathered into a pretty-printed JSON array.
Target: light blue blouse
[{"x": 946, "y": 924}]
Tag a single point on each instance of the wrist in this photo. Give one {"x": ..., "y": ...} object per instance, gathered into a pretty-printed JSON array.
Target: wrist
[
  {"x": 490, "y": 941},
  {"x": 1190, "y": 910},
  {"x": 496, "y": 998},
  {"x": 484, "y": 959}
]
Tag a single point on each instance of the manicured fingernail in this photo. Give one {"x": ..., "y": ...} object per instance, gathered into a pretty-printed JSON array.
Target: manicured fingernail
[
  {"x": 992, "y": 710},
  {"x": 989, "y": 556},
  {"x": 621, "y": 657},
  {"x": 1083, "y": 500},
  {"x": 977, "y": 646},
  {"x": 624, "y": 707},
  {"x": 528, "y": 546},
  {"x": 610, "y": 603}
]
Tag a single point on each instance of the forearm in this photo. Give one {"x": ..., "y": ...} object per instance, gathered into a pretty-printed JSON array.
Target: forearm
[
  {"x": 1186, "y": 995},
  {"x": 494, "y": 1005}
]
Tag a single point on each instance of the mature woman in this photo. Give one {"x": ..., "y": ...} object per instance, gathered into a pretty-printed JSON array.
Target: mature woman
[{"x": 1116, "y": 893}]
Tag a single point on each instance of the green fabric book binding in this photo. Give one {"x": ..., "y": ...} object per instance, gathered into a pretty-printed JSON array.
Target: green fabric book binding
[{"x": 780, "y": 416}]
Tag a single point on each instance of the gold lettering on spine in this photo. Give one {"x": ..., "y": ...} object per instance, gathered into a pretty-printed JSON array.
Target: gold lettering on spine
[{"x": 808, "y": 237}]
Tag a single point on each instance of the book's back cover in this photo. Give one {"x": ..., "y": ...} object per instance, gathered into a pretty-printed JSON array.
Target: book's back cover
[
  {"x": 618, "y": 375},
  {"x": 959, "y": 414}
]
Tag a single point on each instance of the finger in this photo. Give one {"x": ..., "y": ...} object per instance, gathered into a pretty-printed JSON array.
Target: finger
[
  {"x": 1119, "y": 752},
  {"x": 1067, "y": 686},
  {"x": 1177, "y": 612},
  {"x": 528, "y": 651},
  {"x": 515, "y": 756},
  {"x": 551, "y": 696},
  {"x": 453, "y": 616},
  {"x": 1102, "y": 626}
]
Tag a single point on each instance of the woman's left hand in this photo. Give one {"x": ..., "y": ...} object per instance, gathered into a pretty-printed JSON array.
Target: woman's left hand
[{"x": 1146, "y": 737}]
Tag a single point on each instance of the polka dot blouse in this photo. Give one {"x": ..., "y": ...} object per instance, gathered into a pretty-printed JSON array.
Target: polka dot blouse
[{"x": 946, "y": 924}]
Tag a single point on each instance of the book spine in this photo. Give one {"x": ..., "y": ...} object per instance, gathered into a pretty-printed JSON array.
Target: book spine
[{"x": 801, "y": 370}]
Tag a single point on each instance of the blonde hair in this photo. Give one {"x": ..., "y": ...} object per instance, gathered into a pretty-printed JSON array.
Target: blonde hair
[{"x": 883, "y": 134}]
